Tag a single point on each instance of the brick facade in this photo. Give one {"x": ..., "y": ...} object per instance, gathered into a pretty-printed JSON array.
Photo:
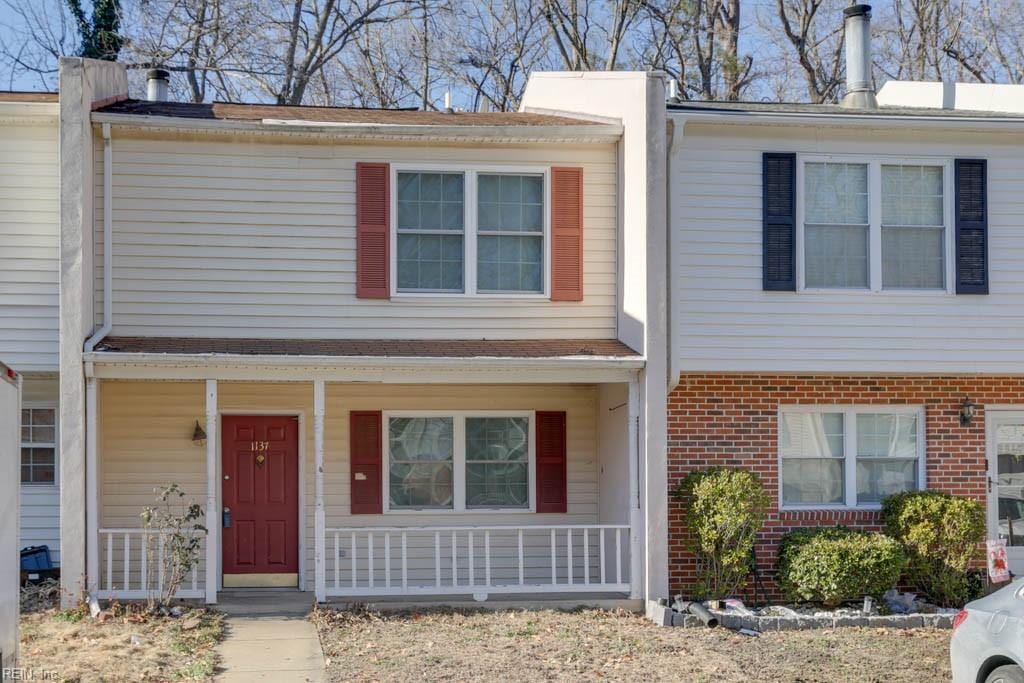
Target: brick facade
[{"x": 731, "y": 420}]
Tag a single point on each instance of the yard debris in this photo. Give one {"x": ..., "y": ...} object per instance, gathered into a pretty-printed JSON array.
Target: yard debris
[
  {"x": 900, "y": 603},
  {"x": 190, "y": 623},
  {"x": 136, "y": 640},
  {"x": 94, "y": 606},
  {"x": 40, "y": 597},
  {"x": 749, "y": 632}
]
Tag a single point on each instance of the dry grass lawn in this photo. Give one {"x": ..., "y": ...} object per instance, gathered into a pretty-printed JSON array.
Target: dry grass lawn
[
  {"x": 595, "y": 645},
  {"x": 77, "y": 648}
]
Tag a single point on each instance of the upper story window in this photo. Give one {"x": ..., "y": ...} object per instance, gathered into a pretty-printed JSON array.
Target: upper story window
[
  {"x": 470, "y": 232},
  {"x": 844, "y": 456},
  {"x": 39, "y": 445},
  {"x": 875, "y": 224}
]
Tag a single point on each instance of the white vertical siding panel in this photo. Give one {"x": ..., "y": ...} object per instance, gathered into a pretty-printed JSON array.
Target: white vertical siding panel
[
  {"x": 40, "y": 504},
  {"x": 723, "y": 321},
  {"x": 245, "y": 238},
  {"x": 29, "y": 255}
]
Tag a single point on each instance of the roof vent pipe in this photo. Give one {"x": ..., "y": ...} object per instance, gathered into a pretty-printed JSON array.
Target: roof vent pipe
[
  {"x": 157, "y": 82},
  {"x": 860, "y": 94}
]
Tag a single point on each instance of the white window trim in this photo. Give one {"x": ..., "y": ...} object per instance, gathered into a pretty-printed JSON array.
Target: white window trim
[
  {"x": 875, "y": 163},
  {"x": 470, "y": 173},
  {"x": 459, "y": 461},
  {"x": 850, "y": 450},
  {"x": 29, "y": 405}
]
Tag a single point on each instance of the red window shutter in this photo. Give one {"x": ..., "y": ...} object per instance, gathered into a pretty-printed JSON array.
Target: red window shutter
[
  {"x": 367, "y": 497},
  {"x": 373, "y": 225},
  {"x": 552, "y": 478},
  {"x": 567, "y": 234}
]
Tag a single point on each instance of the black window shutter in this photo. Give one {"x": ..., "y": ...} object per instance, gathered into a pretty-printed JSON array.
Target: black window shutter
[
  {"x": 971, "y": 226},
  {"x": 779, "y": 221}
]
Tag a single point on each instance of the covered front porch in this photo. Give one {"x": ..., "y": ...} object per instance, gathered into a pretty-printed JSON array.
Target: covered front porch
[{"x": 435, "y": 484}]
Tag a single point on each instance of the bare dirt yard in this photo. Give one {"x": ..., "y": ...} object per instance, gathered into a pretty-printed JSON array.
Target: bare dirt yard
[
  {"x": 123, "y": 644},
  {"x": 619, "y": 646}
]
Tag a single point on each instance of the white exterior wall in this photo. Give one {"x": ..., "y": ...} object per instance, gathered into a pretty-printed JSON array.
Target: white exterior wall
[
  {"x": 29, "y": 235},
  {"x": 9, "y": 558},
  {"x": 236, "y": 237},
  {"x": 40, "y": 504},
  {"x": 724, "y": 322}
]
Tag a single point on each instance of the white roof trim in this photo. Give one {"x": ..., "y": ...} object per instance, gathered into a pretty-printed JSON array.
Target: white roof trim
[
  {"x": 994, "y": 123},
  {"x": 582, "y": 133},
  {"x": 589, "y": 369}
]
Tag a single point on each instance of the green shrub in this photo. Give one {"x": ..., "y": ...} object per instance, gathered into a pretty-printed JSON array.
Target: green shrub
[
  {"x": 833, "y": 565},
  {"x": 725, "y": 509},
  {"x": 940, "y": 534}
]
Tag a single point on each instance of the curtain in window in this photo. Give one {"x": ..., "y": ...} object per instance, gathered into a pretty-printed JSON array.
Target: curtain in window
[
  {"x": 812, "y": 458},
  {"x": 421, "y": 453},
  {"x": 836, "y": 250}
]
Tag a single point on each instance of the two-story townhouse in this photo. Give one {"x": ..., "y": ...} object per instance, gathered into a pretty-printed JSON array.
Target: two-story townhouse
[
  {"x": 391, "y": 353},
  {"x": 29, "y": 266},
  {"x": 847, "y": 306}
]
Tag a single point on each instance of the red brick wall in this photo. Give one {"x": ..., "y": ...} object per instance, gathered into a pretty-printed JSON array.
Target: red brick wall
[{"x": 731, "y": 420}]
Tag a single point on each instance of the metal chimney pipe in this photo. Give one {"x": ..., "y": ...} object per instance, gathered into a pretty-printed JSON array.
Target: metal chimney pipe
[
  {"x": 157, "y": 82},
  {"x": 860, "y": 94}
]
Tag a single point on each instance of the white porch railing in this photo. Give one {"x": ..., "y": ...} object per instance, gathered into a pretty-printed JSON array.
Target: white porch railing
[
  {"x": 133, "y": 567},
  {"x": 383, "y": 561}
]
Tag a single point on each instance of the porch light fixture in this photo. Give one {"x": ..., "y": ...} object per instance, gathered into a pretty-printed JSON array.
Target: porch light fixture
[
  {"x": 198, "y": 435},
  {"x": 966, "y": 412}
]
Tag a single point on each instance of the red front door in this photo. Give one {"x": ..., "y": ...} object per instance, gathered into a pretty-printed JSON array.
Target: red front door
[{"x": 261, "y": 500}]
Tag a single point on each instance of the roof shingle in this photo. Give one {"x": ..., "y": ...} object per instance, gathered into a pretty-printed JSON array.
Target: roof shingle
[
  {"x": 222, "y": 111},
  {"x": 380, "y": 348}
]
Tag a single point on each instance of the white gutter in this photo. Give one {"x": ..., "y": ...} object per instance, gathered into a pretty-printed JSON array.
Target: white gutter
[
  {"x": 583, "y": 132},
  {"x": 995, "y": 123},
  {"x": 108, "y": 244}
]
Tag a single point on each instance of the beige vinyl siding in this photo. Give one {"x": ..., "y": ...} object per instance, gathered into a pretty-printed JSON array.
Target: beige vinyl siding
[
  {"x": 723, "y": 321},
  {"x": 40, "y": 504},
  {"x": 146, "y": 430},
  {"x": 243, "y": 237},
  {"x": 29, "y": 256}
]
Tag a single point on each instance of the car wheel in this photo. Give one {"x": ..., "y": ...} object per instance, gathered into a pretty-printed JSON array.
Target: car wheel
[{"x": 1008, "y": 673}]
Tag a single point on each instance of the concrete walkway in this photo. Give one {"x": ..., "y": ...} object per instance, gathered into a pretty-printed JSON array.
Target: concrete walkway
[{"x": 268, "y": 638}]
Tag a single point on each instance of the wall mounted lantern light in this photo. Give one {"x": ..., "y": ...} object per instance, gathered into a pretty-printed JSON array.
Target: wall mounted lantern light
[
  {"x": 198, "y": 435},
  {"x": 966, "y": 412}
]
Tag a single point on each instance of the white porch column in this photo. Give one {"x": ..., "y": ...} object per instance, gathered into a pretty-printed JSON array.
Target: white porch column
[
  {"x": 636, "y": 523},
  {"x": 92, "y": 507},
  {"x": 318, "y": 466},
  {"x": 213, "y": 518}
]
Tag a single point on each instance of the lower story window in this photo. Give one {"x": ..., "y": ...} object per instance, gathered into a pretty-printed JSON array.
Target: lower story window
[
  {"x": 39, "y": 445},
  {"x": 835, "y": 455},
  {"x": 459, "y": 461}
]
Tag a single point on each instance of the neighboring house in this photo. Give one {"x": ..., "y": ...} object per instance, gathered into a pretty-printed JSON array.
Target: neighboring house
[
  {"x": 391, "y": 353},
  {"x": 847, "y": 305},
  {"x": 29, "y": 268}
]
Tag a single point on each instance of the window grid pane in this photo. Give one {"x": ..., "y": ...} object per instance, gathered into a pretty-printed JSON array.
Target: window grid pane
[
  {"x": 497, "y": 462},
  {"x": 836, "y": 252},
  {"x": 510, "y": 221},
  {"x": 38, "y": 447},
  {"x": 913, "y": 227},
  {"x": 421, "y": 462},
  {"x": 430, "y": 226}
]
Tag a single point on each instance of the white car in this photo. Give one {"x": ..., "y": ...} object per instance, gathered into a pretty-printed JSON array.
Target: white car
[{"x": 988, "y": 638}]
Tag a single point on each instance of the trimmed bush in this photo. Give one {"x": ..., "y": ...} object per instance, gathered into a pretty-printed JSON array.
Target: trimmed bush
[
  {"x": 940, "y": 534},
  {"x": 725, "y": 510},
  {"x": 833, "y": 565}
]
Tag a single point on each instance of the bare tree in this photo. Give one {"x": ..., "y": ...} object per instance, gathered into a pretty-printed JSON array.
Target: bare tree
[
  {"x": 589, "y": 34},
  {"x": 814, "y": 31},
  {"x": 34, "y": 36}
]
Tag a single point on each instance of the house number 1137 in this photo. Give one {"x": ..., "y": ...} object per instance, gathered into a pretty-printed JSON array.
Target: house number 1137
[{"x": 260, "y": 446}]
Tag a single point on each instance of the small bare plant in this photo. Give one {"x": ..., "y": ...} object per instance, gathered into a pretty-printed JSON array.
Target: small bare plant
[{"x": 175, "y": 538}]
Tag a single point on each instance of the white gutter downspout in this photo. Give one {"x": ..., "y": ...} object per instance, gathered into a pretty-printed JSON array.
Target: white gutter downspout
[
  {"x": 676, "y": 127},
  {"x": 108, "y": 243}
]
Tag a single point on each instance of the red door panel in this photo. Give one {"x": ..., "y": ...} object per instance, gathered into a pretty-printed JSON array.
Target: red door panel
[{"x": 261, "y": 490}]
